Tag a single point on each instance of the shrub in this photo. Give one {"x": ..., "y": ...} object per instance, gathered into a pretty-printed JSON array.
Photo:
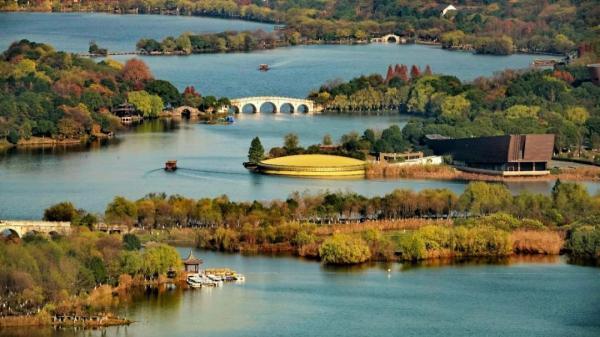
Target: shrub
[
  {"x": 481, "y": 241},
  {"x": 344, "y": 249},
  {"x": 412, "y": 247},
  {"x": 131, "y": 242},
  {"x": 584, "y": 242}
]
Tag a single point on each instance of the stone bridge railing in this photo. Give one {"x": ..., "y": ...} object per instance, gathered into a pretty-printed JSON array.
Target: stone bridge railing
[
  {"x": 22, "y": 227},
  {"x": 296, "y": 105}
]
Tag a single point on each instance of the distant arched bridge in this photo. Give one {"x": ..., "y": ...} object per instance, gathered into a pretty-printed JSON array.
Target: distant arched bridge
[
  {"x": 185, "y": 111},
  {"x": 390, "y": 38},
  {"x": 277, "y": 104},
  {"x": 21, "y": 228}
]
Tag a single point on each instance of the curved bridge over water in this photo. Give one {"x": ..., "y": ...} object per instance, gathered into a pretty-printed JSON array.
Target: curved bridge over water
[
  {"x": 20, "y": 228},
  {"x": 278, "y": 104}
]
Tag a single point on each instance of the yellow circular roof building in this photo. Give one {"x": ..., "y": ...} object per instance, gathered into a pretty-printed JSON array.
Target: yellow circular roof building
[{"x": 313, "y": 165}]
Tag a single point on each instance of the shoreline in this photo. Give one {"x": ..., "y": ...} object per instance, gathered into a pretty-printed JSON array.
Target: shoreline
[
  {"x": 446, "y": 172},
  {"x": 45, "y": 320},
  {"x": 278, "y": 44}
]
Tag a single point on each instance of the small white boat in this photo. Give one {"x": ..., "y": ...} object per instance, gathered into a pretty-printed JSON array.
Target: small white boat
[
  {"x": 194, "y": 281},
  {"x": 217, "y": 281},
  {"x": 240, "y": 278}
]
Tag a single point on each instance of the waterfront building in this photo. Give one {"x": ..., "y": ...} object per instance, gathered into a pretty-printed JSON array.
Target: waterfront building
[
  {"x": 192, "y": 264},
  {"x": 508, "y": 155}
]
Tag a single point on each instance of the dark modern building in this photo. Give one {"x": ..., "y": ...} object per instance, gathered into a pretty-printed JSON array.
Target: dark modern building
[{"x": 509, "y": 155}]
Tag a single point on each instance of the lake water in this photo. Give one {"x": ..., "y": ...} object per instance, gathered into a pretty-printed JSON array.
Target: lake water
[
  {"x": 286, "y": 296},
  {"x": 210, "y": 156},
  {"x": 295, "y": 70}
]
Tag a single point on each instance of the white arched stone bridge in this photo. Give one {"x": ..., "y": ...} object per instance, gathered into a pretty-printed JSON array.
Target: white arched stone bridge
[
  {"x": 278, "y": 104},
  {"x": 21, "y": 228},
  {"x": 390, "y": 38}
]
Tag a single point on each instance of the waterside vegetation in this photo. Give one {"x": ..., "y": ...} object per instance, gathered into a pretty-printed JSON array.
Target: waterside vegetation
[
  {"x": 53, "y": 97},
  {"x": 78, "y": 275},
  {"x": 301, "y": 223},
  {"x": 563, "y": 101},
  {"x": 498, "y": 28}
]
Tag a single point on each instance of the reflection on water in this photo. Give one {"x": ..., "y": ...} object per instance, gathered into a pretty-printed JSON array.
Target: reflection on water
[{"x": 287, "y": 296}]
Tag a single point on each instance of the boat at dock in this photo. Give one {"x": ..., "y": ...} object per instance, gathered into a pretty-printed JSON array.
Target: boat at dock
[{"x": 194, "y": 281}]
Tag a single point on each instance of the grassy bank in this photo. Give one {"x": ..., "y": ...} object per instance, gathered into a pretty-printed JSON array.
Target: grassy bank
[{"x": 446, "y": 172}]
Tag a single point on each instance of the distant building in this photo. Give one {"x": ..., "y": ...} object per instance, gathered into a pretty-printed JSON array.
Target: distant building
[
  {"x": 125, "y": 110},
  {"x": 393, "y": 156},
  {"x": 127, "y": 113},
  {"x": 509, "y": 155},
  {"x": 447, "y": 9}
]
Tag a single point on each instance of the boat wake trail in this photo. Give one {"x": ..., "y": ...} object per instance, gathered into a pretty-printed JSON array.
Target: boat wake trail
[{"x": 199, "y": 173}]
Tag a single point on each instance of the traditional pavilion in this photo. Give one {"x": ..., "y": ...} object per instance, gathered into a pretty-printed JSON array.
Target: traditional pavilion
[{"x": 192, "y": 264}]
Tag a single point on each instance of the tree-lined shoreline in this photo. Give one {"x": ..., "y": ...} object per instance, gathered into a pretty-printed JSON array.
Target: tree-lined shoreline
[{"x": 498, "y": 28}]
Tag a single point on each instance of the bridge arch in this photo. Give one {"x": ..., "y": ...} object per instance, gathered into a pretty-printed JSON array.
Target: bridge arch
[
  {"x": 389, "y": 38},
  {"x": 287, "y": 108},
  {"x": 185, "y": 112},
  {"x": 249, "y": 108},
  {"x": 7, "y": 231},
  {"x": 302, "y": 108},
  {"x": 268, "y": 107}
]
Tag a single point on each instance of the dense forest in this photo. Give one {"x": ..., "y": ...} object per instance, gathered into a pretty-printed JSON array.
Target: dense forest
[
  {"x": 45, "y": 93},
  {"x": 65, "y": 97},
  {"x": 488, "y": 27},
  {"x": 562, "y": 101}
]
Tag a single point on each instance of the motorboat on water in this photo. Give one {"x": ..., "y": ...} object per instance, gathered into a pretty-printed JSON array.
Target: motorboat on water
[{"x": 263, "y": 67}]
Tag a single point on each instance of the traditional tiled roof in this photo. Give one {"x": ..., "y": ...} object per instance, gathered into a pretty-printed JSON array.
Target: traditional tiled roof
[{"x": 191, "y": 259}]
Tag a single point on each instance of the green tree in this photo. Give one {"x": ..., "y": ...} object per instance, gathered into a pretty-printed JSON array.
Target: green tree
[
  {"x": 291, "y": 142},
  {"x": 256, "y": 153},
  {"x": 121, "y": 210},
  {"x": 455, "y": 106},
  {"x": 167, "y": 91},
  {"x": 149, "y": 105},
  {"x": 158, "y": 258},
  {"x": 131, "y": 242},
  {"x": 344, "y": 249},
  {"x": 64, "y": 211},
  {"x": 480, "y": 198}
]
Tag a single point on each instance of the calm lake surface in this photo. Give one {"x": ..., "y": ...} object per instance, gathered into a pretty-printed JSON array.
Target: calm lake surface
[
  {"x": 295, "y": 70},
  {"x": 286, "y": 296},
  {"x": 210, "y": 156}
]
